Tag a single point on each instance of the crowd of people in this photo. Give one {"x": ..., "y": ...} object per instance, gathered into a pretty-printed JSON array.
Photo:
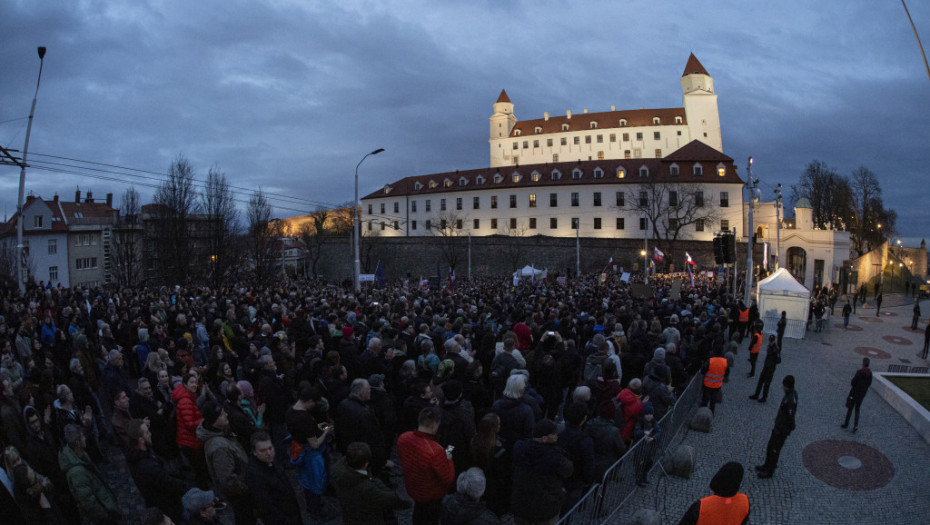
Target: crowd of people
[{"x": 489, "y": 398}]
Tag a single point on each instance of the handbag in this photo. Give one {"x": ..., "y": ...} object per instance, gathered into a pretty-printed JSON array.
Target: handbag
[{"x": 849, "y": 401}]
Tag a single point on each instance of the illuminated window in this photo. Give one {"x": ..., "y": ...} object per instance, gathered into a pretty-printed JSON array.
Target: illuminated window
[{"x": 532, "y": 200}]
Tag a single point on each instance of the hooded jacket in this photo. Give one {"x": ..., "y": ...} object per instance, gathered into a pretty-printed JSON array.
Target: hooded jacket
[
  {"x": 188, "y": 416},
  {"x": 94, "y": 497},
  {"x": 632, "y": 409},
  {"x": 226, "y": 461},
  {"x": 516, "y": 420}
]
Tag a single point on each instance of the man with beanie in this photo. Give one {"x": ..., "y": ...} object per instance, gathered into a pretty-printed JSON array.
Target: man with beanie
[
  {"x": 859, "y": 388},
  {"x": 457, "y": 427},
  {"x": 727, "y": 506},
  {"x": 539, "y": 473},
  {"x": 226, "y": 461},
  {"x": 150, "y": 472},
  {"x": 94, "y": 497},
  {"x": 465, "y": 506},
  {"x": 772, "y": 358},
  {"x": 199, "y": 505},
  {"x": 784, "y": 424}
]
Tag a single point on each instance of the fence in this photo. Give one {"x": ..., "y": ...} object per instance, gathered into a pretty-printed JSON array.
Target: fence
[{"x": 619, "y": 481}]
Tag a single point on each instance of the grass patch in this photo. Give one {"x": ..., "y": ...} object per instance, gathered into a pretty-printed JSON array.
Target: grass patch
[{"x": 916, "y": 387}]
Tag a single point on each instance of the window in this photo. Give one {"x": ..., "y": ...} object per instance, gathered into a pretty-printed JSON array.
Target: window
[
  {"x": 623, "y": 125},
  {"x": 600, "y": 139},
  {"x": 480, "y": 179},
  {"x": 432, "y": 184},
  {"x": 621, "y": 173},
  {"x": 577, "y": 173},
  {"x": 626, "y": 154},
  {"x": 428, "y": 207},
  {"x": 637, "y": 153},
  {"x": 563, "y": 141},
  {"x": 576, "y": 140},
  {"x": 370, "y": 209},
  {"x": 458, "y": 224},
  {"x": 553, "y": 223},
  {"x": 639, "y": 135},
  {"x": 458, "y": 203},
  {"x": 587, "y": 139},
  {"x": 553, "y": 200},
  {"x": 493, "y": 202},
  {"x": 656, "y": 121},
  {"x": 613, "y": 137},
  {"x": 549, "y": 142},
  {"x": 52, "y": 273},
  {"x": 396, "y": 207},
  {"x": 699, "y": 199},
  {"x": 515, "y": 178},
  {"x": 382, "y": 225},
  {"x": 429, "y": 224},
  {"x": 594, "y": 124},
  {"x": 643, "y": 223},
  {"x": 678, "y": 120},
  {"x": 413, "y": 225},
  {"x": 442, "y": 204},
  {"x": 575, "y": 223},
  {"x": 697, "y": 170},
  {"x": 721, "y": 170},
  {"x": 37, "y": 221},
  {"x": 517, "y": 132},
  {"x": 498, "y": 178},
  {"x": 643, "y": 198},
  {"x": 555, "y": 157},
  {"x": 673, "y": 198},
  {"x": 516, "y": 145},
  {"x": 513, "y": 224},
  {"x": 656, "y": 136},
  {"x": 413, "y": 206},
  {"x": 475, "y": 203},
  {"x": 447, "y": 183},
  {"x": 564, "y": 127},
  {"x": 532, "y": 223},
  {"x": 575, "y": 199},
  {"x": 493, "y": 224},
  {"x": 626, "y": 137},
  {"x": 597, "y": 223},
  {"x": 52, "y": 246},
  {"x": 699, "y": 225},
  {"x": 442, "y": 224},
  {"x": 532, "y": 200},
  {"x": 621, "y": 224},
  {"x": 724, "y": 199},
  {"x": 597, "y": 198},
  {"x": 85, "y": 263},
  {"x": 463, "y": 181},
  {"x": 535, "y": 143},
  {"x": 600, "y": 155},
  {"x": 513, "y": 201},
  {"x": 621, "y": 199},
  {"x": 672, "y": 224},
  {"x": 538, "y": 130},
  {"x": 673, "y": 170},
  {"x": 535, "y": 176},
  {"x": 598, "y": 172},
  {"x": 396, "y": 225},
  {"x": 658, "y": 153},
  {"x": 526, "y": 144},
  {"x": 476, "y": 224},
  {"x": 417, "y": 186},
  {"x": 369, "y": 225},
  {"x": 556, "y": 175},
  {"x": 725, "y": 225},
  {"x": 643, "y": 171}
]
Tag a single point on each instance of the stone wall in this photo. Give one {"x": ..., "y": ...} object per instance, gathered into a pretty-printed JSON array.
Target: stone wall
[{"x": 500, "y": 255}]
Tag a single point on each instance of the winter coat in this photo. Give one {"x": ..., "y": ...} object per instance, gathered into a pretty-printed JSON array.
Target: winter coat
[
  {"x": 273, "y": 497},
  {"x": 457, "y": 429},
  {"x": 517, "y": 420},
  {"x": 459, "y": 509},
  {"x": 608, "y": 445},
  {"x": 364, "y": 499},
  {"x": 188, "y": 416},
  {"x": 274, "y": 394},
  {"x": 860, "y": 384},
  {"x": 428, "y": 473},
  {"x": 226, "y": 461},
  {"x": 94, "y": 497},
  {"x": 659, "y": 394},
  {"x": 157, "y": 486},
  {"x": 579, "y": 447},
  {"x": 632, "y": 409},
  {"x": 356, "y": 422},
  {"x": 539, "y": 473}
]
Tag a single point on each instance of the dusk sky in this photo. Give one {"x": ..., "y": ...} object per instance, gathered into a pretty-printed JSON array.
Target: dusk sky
[{"x": 288, "y": 95}]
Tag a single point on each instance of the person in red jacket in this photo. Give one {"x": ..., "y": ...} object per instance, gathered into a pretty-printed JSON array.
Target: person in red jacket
[
  {"x": 632, "y": 408},
  {"x": 428, "y": 469},
  {"x": 189, "y": 417}
]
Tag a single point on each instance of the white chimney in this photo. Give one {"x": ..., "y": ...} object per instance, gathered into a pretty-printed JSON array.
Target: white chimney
[
  {"x": 568, "y": 113},
  {"x": 613, "y": 107},
  {"x": 586, "y": 111},
  {"x": 546, "y": 115}
]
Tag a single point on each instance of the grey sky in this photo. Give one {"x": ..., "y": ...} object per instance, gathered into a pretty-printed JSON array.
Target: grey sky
[{"x": 289, "y": 95}]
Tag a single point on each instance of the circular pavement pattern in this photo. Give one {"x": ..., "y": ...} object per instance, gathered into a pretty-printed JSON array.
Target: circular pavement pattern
[
  {"x": 895, "y": 340},
  {"x": 851, "y": 328},
  {"x": 847, "y": 465},
  {"x": 890, "y": 314},
  {"x": 870, "y": 319},
  {"x": 872, "y": 353}
]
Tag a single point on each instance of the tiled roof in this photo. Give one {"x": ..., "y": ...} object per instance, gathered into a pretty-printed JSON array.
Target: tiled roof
[
  {"x": 605, "y": 120},
  {"x": 87, "y": 210},
  {"x": 694, "y": 67},
  {"x": 685, "y": 157},
  {"x": 503, "y": 97}
]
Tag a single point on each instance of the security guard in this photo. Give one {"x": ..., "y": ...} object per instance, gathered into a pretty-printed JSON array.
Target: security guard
[
  {"x": 755, "y": 346},
  {"x": 714, "y": 369},
  {"x": 727, "y": 506}
]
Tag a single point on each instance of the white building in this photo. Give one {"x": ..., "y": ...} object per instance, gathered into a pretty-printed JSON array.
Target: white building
[{"x": 606, "y": 175}]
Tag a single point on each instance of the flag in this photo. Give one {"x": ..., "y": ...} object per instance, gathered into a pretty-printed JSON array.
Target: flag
[
  {"x": 379, "y": 274},
  {"x": 451, "y": 278},
  {"x": 689, "y": 260},
  {"x": 657, "y": 254}
]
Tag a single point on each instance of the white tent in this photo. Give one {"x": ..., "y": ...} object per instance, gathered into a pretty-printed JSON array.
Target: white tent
[
  {"x": 527, "y": 272},
  {"x": 781, "y": 292}
]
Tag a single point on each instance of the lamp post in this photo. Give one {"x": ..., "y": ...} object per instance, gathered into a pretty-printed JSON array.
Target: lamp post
[
  {"x": 645, "y": 267},
  {"x": 777, "y": 226},
  {"x": 358, "y": 219},
  {"x": 751, "y": 186},
  {"x": 22, "y": 182}
]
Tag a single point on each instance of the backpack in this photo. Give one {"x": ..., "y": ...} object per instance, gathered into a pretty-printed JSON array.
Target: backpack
[
  {"x": 619, "y": 419},
  {"x": 592, "y": 367},
  {"x": 501, "y": 366}
]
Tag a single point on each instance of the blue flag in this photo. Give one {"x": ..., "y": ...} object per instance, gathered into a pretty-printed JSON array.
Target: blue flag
[{"x": 379, "y": 274}]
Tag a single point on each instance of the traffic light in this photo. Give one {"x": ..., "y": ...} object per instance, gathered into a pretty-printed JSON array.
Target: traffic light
[
  {"x": 729, "y": 249},
  {"x": 718, "y": 250}
]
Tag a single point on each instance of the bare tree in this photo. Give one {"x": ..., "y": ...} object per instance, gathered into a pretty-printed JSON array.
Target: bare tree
[
  {"x": 263, "y": 236},
  {"x": 448, "y": 226},
  {"x": 314, "y": 234},
  {"x": 829, "y": 194},
  {"x": 670, "y": 208},
  {"x": 219, "y": 207},
  {"x": 869, "y": 211},
  {"x": 176, "y": 202},
  {"x": 128, "y": 236},
  {"x": 514, "y": 247}
]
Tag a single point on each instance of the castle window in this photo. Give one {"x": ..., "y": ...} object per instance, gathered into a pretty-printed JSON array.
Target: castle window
[
  {"x": 563, "y": 141},
  {"x": 476, "y": 224},
  {"x": 643, "y": 171},
  {"x": 598, "y": 173},
  {"x": 429, "y": 224},
  {"x": 613, "y": 137},
  {"x": 463, "y": 181},
  {"x": 432, "y": 184},
  {"x": 549, "y": 143},
  {"x": 516, "y": 133},
  {"x": 480, "y": 179},
  {"x": 442, "y": 204},
  {"x": 556, "y": 175},
  {"x": 555, "y": 157},
  {"x": 697, "y": 170},
  {"x": 413, "y": 206},
  {"x": 623, "y": 123},
  {"x": 516, "y": 145},
  {"x": 458, "y": 203},
  {"x": 538, "y": 129},
  {"x": 600, "y": 139},
  {"x": 417, "y": 186},
  {"x": 535, "y": 176},
  {"x": 396, "y": 207},
  {"x": 553, "y": 200},
  {"x": 458, "y": 224},
  {"x": 658, "y": 153},
  {"x": 724, "y": 201},
  {"x": 577, "y": 173},
  {"x": 721, "y": 170},
  {"x": 526, "y": 144},
  {"x": 724, "y": 224},
  {"x": 655, "y": 121},
  {"x": 620, "y": 223},
  {"x": 515, "y": 177},
  {"x": 656, "y": 135},
  {"x": 493, "y": 202},
  {"x": 513, "y": 201},
  {"x": 626, "y": 154},
  {"x": 639, "y": 135},
  {"x": 513, "y": 224},
  {"x": 673, "y": 198},
  {"x": 597, "y": 223},
  {"x": 673, "y": 170},
  {"x": 447, "y": 183},
  {"x": 564, "y": 127},
  {"x": 626, "y": 137},
  {"x": 699, "y": 199},
  {"x": 677, "y": 120},
  {"x": 532, "y": 223},
  {"x": 475, "y": 203},
  {"x": 597, "y": 198},
  {"x": 575, "y": 199},
  {"x": 699, "y": 225},
  {"x": 553, "y": 223},
  {"x": 621, "y": 199},
  {"x": 429, "y": 205},
  {"x": 396, "y": 225},
  {"x": 577, "y": 140},
  {"x": 600, "y": 155},
  {"x": 587, "y": 140},
  {"x": 535, "y": 143},
  {"x": 498, "y": 178},
  {"x": 532, "y": 200},
  {"x": 621, "y": 172},
  {"x": 493, "y": 224},
  {"x": 594, "y": 124}
]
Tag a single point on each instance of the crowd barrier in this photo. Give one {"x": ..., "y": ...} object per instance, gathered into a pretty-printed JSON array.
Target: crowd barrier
[{"x": 619, "y": 481}]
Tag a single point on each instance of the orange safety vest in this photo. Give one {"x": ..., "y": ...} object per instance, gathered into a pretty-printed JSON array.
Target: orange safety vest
[
  {"x": 723, "y": 511},
  {"x": 715, "y": 371},
  {"x": 744, "y": 316},
  {"x": 757, "y": 345}
]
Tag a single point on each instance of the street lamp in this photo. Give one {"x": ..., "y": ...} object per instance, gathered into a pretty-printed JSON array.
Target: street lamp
[
  {"x": 777, "y": 226},
  {"x": 358, "y": 219},
  {"x": 645, "y": 266},
  {"x": 22, "y": 182}
]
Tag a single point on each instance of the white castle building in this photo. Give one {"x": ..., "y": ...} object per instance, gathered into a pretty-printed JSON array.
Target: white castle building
[{"x": 616, "y": 174}]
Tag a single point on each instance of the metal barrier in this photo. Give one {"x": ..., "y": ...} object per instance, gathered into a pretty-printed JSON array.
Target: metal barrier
[{"x": 619, "y": 481}]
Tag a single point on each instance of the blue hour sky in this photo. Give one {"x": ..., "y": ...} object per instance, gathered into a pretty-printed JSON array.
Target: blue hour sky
[{"x": 288, "y": 95}]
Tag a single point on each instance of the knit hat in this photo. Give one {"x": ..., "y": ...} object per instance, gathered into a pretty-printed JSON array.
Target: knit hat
[
  {"x": 618, "y": 329},
  {"x": 195, "y": 500},
  {"x": 446, "y": 366},
  {"x": 211, "y": 412},
  {"x": 788, "y": 381},
  {"x": 659, "y": 372},
  {"x": 673, "y": 319},
  {"x": 648, "y": 408},
  {"x": 347, "y": 332},
  {"x": 246, "y": 388},
  {"x": 544, "y": 427},
  {"x": 727, "y": 480},
  {"x": 376, "y": 380},
  {"x": 659, "y": 354}
]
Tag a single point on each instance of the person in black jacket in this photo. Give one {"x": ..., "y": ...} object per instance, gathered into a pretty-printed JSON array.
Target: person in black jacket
[
  {"x": 276, "y": 398},
  {"x": 860, "y": 387},
  {"x": 272, "y": 494},
  {"x": 355, "y": 421},
  {"x": 772, "y": 358},
  {"x": 539, "y": 473},
  {"x": 579, "y": 448},
  {"x": 457, "y": 427},
  {"x": 784, "y": 424},
  {"x": 158, "y": 487}
]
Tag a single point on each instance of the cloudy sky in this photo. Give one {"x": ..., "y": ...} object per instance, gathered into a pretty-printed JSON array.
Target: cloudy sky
[{"x": 288, "y": 95}]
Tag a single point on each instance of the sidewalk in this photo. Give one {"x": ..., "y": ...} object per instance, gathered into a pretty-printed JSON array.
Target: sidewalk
[{"x": 826, "y": 475}]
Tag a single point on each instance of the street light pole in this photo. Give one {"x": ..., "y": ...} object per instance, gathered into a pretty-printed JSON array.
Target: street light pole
[
  {"x": 22, "y": 183},
  {"x": 778, "y": 226},
  {"x": 358, "y": 219},
  {"x": 750, "y": 185}
]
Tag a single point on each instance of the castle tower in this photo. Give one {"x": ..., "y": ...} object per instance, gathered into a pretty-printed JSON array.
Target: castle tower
[
  {"x": 501, "y": 123},
  {"x": 700, "y": 103}
]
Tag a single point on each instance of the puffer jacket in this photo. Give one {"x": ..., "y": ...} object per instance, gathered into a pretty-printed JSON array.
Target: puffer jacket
[
  {"x": 459, "y": 509},
  {"x": 632, "y": 409},
  {"x": 188, "y": 416},
  {"x": 94, "y": 497}
]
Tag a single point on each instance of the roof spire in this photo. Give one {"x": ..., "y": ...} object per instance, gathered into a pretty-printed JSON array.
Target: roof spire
[
  {"x": 694, "y": 67},
  {"x": 503, "y": 97}
]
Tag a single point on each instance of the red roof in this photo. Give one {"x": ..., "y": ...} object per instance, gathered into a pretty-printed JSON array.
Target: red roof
[
  {"x": 503, "y": 97},
  {"x": 694, "y": 67},
  {"x": 685, "y": 157},
  {"x": 605, "y": 120}
]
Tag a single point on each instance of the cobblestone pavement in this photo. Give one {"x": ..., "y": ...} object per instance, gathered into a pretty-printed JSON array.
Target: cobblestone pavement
[{"x": 823, "y": 365}]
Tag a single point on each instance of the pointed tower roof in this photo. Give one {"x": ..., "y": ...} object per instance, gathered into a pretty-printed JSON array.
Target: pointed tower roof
[
  {"x": 503, "y": 97},
  {"x": 694, "y": 67}
]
